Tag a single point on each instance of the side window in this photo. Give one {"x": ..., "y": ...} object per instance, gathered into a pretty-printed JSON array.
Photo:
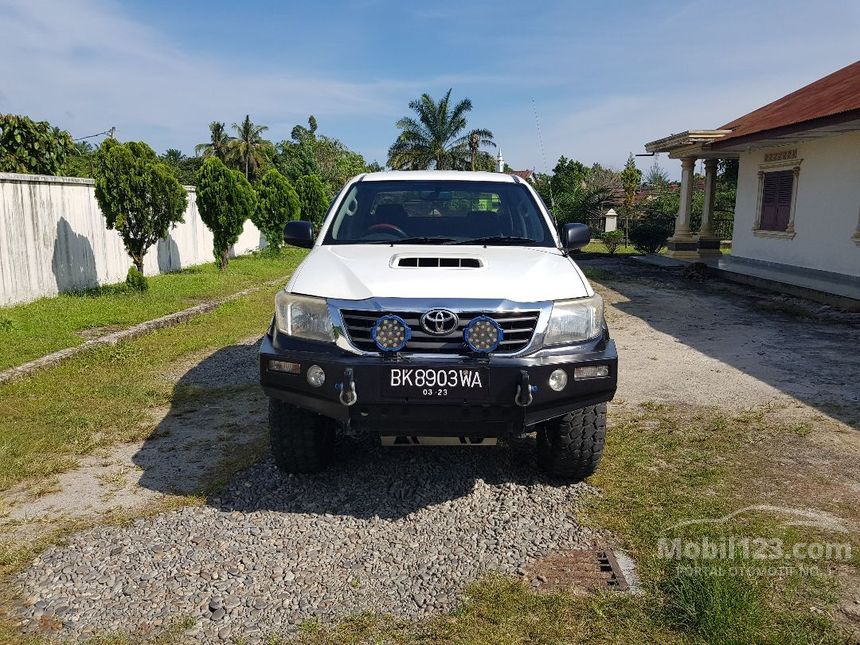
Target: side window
[{"x": 776, "y": 195}]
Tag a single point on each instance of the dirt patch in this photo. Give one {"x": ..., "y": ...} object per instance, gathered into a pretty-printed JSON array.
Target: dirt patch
[
  {"x": 219, "y": 416},
  {"x": 98, "y": 332},
  {"x": 681, "y": 342}
]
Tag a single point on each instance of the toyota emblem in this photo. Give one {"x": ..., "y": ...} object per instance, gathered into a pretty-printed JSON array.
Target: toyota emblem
[{"x": 439, "y": 322}]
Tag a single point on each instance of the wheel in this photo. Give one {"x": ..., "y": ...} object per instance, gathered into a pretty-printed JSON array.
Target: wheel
[
  {"x": 570, "y": 447},
  {"x": 302, "y": 441}
]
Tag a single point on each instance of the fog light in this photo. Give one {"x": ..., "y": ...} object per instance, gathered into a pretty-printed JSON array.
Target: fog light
[
  {"x": 284, "y": 366},
  {"x": 483, "y": 334},
  {"x": 315, "y": 375},
  {"x": 590, "y": 371},
  {"x": 391, "y": 333},
  {"x": 557, "y": 380}
]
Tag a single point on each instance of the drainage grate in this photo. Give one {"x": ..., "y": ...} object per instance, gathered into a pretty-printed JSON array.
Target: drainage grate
[{"x": 576, "y": 571}]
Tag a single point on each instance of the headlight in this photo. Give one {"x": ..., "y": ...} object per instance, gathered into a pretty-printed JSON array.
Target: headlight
[
  {"x": 303, "y": 317},
  {"x": 573, "y": 321}
]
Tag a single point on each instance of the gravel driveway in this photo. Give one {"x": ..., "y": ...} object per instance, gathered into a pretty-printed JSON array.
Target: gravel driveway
[{"x": 383, "y": 531}]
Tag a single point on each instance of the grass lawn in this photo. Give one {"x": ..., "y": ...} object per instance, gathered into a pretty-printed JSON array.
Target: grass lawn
[
  {"x": 34, "y": 329},
  {"x": 105, "y": 395}
]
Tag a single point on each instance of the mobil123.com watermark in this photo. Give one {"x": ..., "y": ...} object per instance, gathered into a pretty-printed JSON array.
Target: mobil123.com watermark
[{"x": 755, "y": 556}]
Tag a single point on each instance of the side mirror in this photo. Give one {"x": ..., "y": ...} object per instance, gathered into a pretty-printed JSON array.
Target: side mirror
[
  {"x": 575, "y": 236},
  {"x": 299, "y": 233}
]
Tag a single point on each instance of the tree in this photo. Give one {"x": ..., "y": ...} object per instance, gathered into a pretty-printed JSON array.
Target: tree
[
  {"x": 81, "y": 162},
  {"x": 435, "y": 139},
  {"x": 476, "y": 139},
  {"x": 631, "y": 178},
  {"x": 32, "y": 146},
  {"x": 138, "y": 195},
  {"x": 183, "y": 168},
  {"x": 225, "y": 200},
  {"x": 657, "y": 177},
  {"x": 248, "y": 148},
  {"x": 579, "y": 203},
  {"x": 313, "y": 199},
  {"x": 310, "y": 154},
  {"x": 278, "y": 203},
  {"x": 218, "y": 143},
  {"x": 568, "y": 175}
]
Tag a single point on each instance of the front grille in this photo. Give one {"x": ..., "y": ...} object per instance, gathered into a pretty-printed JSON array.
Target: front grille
[{"x": 519, "y": 326}]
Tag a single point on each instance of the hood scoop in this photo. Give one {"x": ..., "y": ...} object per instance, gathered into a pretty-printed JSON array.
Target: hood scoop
[{"x": 436, "y": 262}]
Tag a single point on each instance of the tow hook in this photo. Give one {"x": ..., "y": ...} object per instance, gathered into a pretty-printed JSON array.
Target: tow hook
[
  {"x": 347, "y": 395},
  {"x": 525, "y": 392}
]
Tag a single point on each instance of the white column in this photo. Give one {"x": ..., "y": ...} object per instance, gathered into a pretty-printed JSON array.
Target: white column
[
  {"x": 709, "y": 244},
  {"x": 682, "y": 223},
  {"x": 682, "y": 244}
]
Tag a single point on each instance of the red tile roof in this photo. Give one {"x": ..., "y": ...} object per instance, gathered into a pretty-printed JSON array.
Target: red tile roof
[
  {"x": 523, "y": 174},
  {"x": 834, "y": 94}
]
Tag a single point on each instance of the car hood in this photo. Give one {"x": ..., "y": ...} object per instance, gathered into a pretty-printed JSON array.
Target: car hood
[{"x": 360, "y": 271}]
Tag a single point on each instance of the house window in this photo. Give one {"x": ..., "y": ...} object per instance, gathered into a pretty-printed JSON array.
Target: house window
[{"x": 776, "y": 198}]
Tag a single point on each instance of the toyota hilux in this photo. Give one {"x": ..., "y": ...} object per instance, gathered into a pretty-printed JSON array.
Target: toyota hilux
[{"x": 439, "y": 307}]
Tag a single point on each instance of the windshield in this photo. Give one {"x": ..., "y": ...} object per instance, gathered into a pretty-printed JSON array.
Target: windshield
[{"x": 439, "y": 212}]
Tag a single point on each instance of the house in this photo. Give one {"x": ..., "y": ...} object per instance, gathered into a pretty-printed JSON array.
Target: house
[{"x": 797, "y": 212}]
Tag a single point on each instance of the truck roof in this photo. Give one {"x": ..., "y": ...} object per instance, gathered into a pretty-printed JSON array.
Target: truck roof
[{"x": 438, "y": 175}]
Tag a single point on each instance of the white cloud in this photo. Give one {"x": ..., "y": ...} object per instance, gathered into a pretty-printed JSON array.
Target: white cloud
[{"x": 84, "y": 66}]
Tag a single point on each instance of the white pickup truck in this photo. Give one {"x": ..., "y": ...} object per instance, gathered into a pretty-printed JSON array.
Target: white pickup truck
[{"x": 439, "y": 307}]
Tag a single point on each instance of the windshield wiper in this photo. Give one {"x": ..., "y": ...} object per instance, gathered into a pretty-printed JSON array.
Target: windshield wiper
[
  {"x": 414, "y": 240},
  {"x": 497, "y": 240}
]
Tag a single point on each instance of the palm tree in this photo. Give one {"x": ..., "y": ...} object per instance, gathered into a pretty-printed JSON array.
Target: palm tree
[
  {"x": 217, "y": 145},
  {"x": 435, "y": 138},
  {"x": 478, "y": 138},
  {"x": 173, "y": 157},
  {"x": 249, "y": 146}
]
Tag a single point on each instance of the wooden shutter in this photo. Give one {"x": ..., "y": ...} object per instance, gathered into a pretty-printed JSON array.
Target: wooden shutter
[{"x": 776, "y": 200}]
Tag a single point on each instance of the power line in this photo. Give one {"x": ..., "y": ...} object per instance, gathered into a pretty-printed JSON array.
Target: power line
[
  {"x": 543, "y": 152},
  {"x": 111, "y": 132}
]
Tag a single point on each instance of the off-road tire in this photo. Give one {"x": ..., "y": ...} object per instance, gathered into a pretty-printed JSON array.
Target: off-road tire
[
  {"x": 570, "y": 447},
  {"x": 302, "y": 441}
]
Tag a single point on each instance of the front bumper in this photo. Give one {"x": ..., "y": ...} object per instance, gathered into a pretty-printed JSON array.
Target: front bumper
[{"x": 496, "y": 414}]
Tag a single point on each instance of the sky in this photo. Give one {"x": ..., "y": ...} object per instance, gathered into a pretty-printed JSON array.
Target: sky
[{"x": 600, "y": 78}]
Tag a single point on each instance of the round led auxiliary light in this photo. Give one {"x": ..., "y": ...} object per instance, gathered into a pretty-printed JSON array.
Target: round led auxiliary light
[
  {"x": 391, "y": 333},
  {"x": 483, "y": 334}
]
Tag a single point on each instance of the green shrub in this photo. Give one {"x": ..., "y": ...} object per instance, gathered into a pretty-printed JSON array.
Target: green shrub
[
  {"x": 649, "y": 235},
  {"x": 612, "y": 240},
  {"x": 138, "y": 195},
  {"x": 225, "y": 200},
  {"x": 277, "y": 204},
  {"x": 136, "y": 280},
  {"x": 6, "y": 324},
  {"x": 313, "y": 198}
]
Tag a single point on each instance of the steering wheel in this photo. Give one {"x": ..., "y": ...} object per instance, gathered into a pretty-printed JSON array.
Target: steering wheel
[{"x": 387, "y": 227}]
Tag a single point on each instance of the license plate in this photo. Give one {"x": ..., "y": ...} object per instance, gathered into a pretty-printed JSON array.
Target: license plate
[{"x": 437, "y": 383}]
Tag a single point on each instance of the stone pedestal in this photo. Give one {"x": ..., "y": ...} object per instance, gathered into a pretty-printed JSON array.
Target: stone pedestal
[
  {"x": 709, "y": 246},
  {"x": 683, "y": 247}
]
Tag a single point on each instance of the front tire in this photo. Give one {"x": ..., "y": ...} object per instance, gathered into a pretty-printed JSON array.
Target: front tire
[
  {"x": 570, "y": 447},
  {"x": 302, "y": 441}
]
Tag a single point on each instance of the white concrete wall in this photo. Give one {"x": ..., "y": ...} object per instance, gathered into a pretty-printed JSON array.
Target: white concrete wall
[
  {"x": 53, "y": 238},
  {"x": 827, "y": 210}
]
